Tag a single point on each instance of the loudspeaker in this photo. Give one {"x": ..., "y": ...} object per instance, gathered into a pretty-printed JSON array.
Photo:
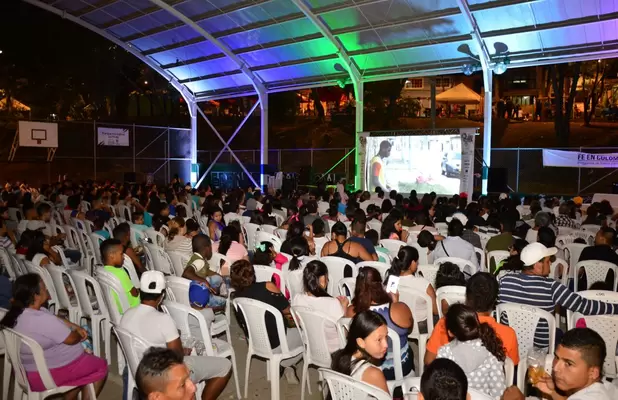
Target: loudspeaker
[
  {"x": 130, "y": 177},
  {"x": 498, "y": 180}
]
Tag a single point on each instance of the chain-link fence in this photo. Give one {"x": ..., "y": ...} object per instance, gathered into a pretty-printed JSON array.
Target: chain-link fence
[{"x": 156, "y": 150}]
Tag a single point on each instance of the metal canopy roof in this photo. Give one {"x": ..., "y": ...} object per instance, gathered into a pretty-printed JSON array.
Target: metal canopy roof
[{"x": 213, "y": 49}]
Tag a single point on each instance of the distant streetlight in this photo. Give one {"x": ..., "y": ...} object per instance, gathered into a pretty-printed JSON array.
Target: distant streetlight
[
  {"x": 145, "y": 82},
  {"x": 0, "y": 51}
]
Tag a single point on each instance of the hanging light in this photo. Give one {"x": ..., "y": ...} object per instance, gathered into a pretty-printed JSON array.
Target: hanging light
[
  {"x": 467, "y": 69},
  {"x": 500, "y": 68}
]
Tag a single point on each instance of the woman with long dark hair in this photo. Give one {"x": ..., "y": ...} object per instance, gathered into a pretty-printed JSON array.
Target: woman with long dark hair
[
  {"x": 69, "y": 364},
  {"x": 405, "y": 266},
  {"x": 370, "y": 295},
  {"x": 314, "y": 295},
  {"x": 366, "y": 346},
  {"x": 393, "y": 229},
  {"x": 477, "y": 349},
  {"x": 230, "y": 246}
]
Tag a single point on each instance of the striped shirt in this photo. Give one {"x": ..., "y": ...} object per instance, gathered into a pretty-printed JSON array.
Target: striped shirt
[{"x": 546, "y": 293}]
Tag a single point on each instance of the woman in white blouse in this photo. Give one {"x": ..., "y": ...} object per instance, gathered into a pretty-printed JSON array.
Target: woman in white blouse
[
  {"x": 405, "y": 266},
  {"x": 315, "y": 282}
]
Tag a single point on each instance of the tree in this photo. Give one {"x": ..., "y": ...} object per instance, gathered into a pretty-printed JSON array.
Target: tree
[
  {"x": 564, "y": 77},
  {"x": 593, "y": 82}
]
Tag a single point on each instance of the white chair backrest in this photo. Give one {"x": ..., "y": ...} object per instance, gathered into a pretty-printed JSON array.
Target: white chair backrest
[
  {"x": 465, "y": 266},
  {"x": 572, "y": 251},
  {"x": 251, "y": 231},
  {"x": 563, "y": 230},
  {"x": 58, "y": 276},
  {"x": 497, "y": 256},
  {"x": 414, "y": 299},
  {"x": 524, "y": 320},
  {"x": 265, "y": 273},
  {"x": 269, "y": 228},
  {"x": 18, "y": 264},
  {"x": 124, "y": 212},
  {"x": 555, "y": 273},
  {"x": 15, "y": 214},
  {"x": 423, "y": 259},
  {"x": 132, "y": 346},
  {"x": 590, "y": 228},
  {"x": 179, "y": 261},
  {"x": 596, "y": 271},
  {"x": 346, "y": 287},
  {"x": 215, "y": 262},
  {"x": 451, "y": 295},
  {"x": 229, "y": 217},
  {"x": 600, "y": 295},
  {"x": 160, "y": 259},
  {"x": 428, "y": 272},
  {"x": 344, "y": 387},
  {"x": 7, "y": 264},
  {"x": 110, "y": 285},
  {"x": 182, "y": 314},
  {"x": 79, "y": 224},
  {"x": 375, "y": 225},
  {"x": 178, "y": 289},
  {"x": 392, "y": 245},
  {"x": 607, "y": 327},
  {"x": 83, "y": 282},
  {"x": 442, "y": 228},
  {"x": 336, "y": 271},
  {"x": 312, "y": 325},
  {"x": 73, "y": 237},
  {"x": 136, "y": 237},
  {"x": 263, "y": 236},
  {"x": 14, "y": 342},
  {"x": 96, "y": 240},
  {"x": 480, "y": 255},
  {"x": 156, "y": 237},
  {"x": 380, "y": 266},
  {"x": 484, "y": 239},
  {"x": 47, "y": 279},
  {"x": 254, "y": 313},
  {"x": 281, "y": 233},
  {"x": 128, "y": 266}
]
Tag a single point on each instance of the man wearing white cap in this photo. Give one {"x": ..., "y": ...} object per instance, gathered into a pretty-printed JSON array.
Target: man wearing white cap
[
  {"x": 158, "y": 329},
  {"x": 533, "y": 287}
]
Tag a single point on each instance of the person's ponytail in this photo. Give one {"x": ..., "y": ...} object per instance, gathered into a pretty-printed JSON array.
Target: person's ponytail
[
  {"x": 24, "y": 289},
  {"x": 491, "y": 341},
  {"x": 397, "y": 267}
]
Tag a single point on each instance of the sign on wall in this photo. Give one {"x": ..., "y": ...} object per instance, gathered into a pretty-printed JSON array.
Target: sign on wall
[
  {"x": 38, "y": 134},
  {"x": 466, "y": 184},
  {"x": 112, "y": 136},
  {"x": 578, "y": 159}
]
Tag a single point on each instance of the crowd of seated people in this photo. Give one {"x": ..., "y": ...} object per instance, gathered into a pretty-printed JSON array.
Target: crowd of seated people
[{"x": 207, "y": 230}]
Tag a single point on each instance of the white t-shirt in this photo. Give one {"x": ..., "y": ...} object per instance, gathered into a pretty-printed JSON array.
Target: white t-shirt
[
  {"x": 420, "y": 284},
  {"x": 180, "y": 244},
  {"x": 597, "y": 391},
  {"x": 327, "y": 305},
  {"x": 456, "y": 247},
  {"x": 323, "y": 208},
  {"x": 532, "y": 236},
  {"x": 155, "y": 327}
]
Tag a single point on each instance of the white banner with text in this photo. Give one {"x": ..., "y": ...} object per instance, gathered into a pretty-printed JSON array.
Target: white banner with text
[
  {"x": 578, "y": 159},
  {"x": 112, "y": 136}
]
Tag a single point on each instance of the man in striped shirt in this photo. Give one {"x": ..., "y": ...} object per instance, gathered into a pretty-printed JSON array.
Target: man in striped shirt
[{"x": 534, "y": 288}]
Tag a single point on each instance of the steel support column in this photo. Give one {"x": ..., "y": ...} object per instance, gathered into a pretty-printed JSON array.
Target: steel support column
[
  {"x": 263, "y": 137},
  {"x": 193, "y": 143},
  {"x": 488, "y": 76},
  {"x": 359, "y": 94}
]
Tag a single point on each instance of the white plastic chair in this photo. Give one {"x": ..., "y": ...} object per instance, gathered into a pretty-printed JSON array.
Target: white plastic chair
[
  {"x": 73, "y": 238},
  {"x": 268, "y": 228},
  {"x": 480, "y": 255},
  {"x": 14, "y": 341},
  {"x": 336, "y": 270},
  {"x": 213, "y": 347},
  {"x": 428, "y": 272},
  {"x": 15, "y": 214},
  {"x": 399, "y": 380},
  {"x": 254, "y": 313},
  {"x": 58, "y": 274},
  {"x": 128, "y": 266},
  {"x": 7, "y": 264},
  {"x": 572, "y": 251},
  {"x": 422, "y": 253},
  {"x": 484, "y": 239},
  {"x": 451, "y": 295},
  {"x": 264, "y": 273},
  {"x": 412, "y": 298},
  {"x": 263, "y": 236},
  {"x": 344, "y": 387},
  {"x": 80, "y": 225},
  {"x": 590, "y": 228},
  {"x": 251, "y": 231},
  {"x": 312, "y": 325},
  {"x": 229, "y": 217},
  {"x": 375, "y": 225},
  {"x": 380, "y": 266},
  {"x": 156, "y": 237},
  {"x": 96, "y": 240},
  {"x": 281, "y": 233},
  {"x": 178, "y": 291},
  {"x": 215, "y": 262},
  {"x": 160, "y": 259},
  {"x": 596, "y": 270},
  {"x": 415, "y": 383},
  {"x": 392, "y": 245},
  {"x": 442, "y": 228},
  {"x": 124, "y": 212},
  {"x": 465, "y": 266},
  {"x": 554, "y": 271},
  {"x": 524, "y": 320},
  {"x": 600, "y": 295},
  {"x": 99, "y": 319},
  {"x": 110, "y": 285},
  {"x": 497, "y": 256},
  {"x": 179, "y": 261},
  {"x": 607, "y": 327},
  {"x": 133, "y": 349},
  {"x": 136, "y": 237},
  {"x": 346, "y": 287},
  {"x": 49, "y": 284}
]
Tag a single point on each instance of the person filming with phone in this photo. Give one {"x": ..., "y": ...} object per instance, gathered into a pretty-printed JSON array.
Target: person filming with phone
[{"x": 371, "y": 295}]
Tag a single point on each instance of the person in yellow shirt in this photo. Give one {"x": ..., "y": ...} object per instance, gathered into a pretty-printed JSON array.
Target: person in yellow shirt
[{"x": 378, "y": 167}]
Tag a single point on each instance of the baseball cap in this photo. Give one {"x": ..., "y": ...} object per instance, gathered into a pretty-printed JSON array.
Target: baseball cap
[
  {"x": 35, "y": 225},
  {"x": 460, "y": 216},
  {"x": 152, "y": 282},
  {"x": 535, "y": 252}
]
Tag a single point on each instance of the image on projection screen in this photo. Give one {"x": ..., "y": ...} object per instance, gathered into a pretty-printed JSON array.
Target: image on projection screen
[{"x": 423, "y": 163}]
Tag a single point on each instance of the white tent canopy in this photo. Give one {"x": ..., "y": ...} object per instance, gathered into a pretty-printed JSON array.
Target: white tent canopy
[{"x": 460, "y": 94}]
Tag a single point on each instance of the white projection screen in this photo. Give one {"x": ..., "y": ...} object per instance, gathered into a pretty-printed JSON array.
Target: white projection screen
[{"x": 422, "y": 163}]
